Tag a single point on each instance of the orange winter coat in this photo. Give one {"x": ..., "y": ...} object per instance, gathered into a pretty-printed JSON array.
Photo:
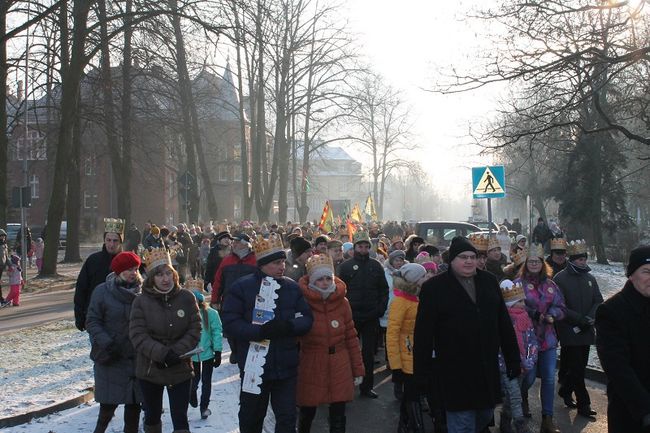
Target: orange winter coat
[
  {"x": 399, "y": 333},
  {"x": 330, "y": 355}
]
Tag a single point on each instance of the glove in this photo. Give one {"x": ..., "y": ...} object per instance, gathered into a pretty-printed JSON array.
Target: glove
[
  {"x": 113, "y": 350},
  {"x": 583, "y": 322},
  {"x": 358, "y": 380},
  {"x": 590, "y": 320},
  {"x": 217, "y": 359},
  {"x": 548, "y": 318},
  {"x": 172, "y": 359},
  {"x": 276, "y": 328},
  {"x": 513, "y": 372},
  {"x": 80, "y": 323}
]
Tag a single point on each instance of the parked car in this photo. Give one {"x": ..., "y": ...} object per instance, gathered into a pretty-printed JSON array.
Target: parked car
[
  {"x": 12, "y": 231},
  {"x": 440, "y": 233},
  {"x": 485, "y": 225}
]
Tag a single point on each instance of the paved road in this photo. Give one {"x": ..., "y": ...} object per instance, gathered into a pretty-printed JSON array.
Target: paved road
[{"x": 36, "y": 309}]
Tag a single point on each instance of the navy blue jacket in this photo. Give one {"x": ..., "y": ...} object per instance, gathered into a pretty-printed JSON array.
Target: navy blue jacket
[{"x": 282, "y": 359}]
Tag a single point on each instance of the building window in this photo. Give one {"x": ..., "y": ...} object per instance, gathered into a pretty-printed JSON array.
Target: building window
[
  {"x": 223, "y": 172},
  {"x": 237, "y": 171},
  {"x": 90, "y": 166},
  {"x": 34, "y": 147},
  {"x": 34, "y": 185},
  {"x": 90, "y": 200}
]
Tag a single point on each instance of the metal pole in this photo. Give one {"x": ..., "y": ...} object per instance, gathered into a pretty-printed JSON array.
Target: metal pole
[
  {"x": 23, "y": 219},
  {"x": 489, "y": 203}
]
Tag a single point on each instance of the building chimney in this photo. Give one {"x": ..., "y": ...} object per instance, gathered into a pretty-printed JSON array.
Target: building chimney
[{"x": 19, "y": 94}]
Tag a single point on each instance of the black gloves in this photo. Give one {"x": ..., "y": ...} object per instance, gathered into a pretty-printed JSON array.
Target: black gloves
[
  {"x": 513, "y": 372},
  {"x": 113, "y": 350},
  {"x": 170, "y": 360},
  {"x": 80, "y": 323},
  {"x": 276, "y": 328},
  {"x": 217, "y": 359}
]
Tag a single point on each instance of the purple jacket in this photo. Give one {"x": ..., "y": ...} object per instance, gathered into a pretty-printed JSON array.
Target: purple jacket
[{"x": 543, "y": 299}]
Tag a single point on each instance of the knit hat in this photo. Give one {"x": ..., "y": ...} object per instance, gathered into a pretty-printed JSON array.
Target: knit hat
[
  {"x": 223, "y": 235},
  {"x": 319, "y": 266},
  {"x": 155, "y": 230},
  {"x": 412, "y": 272},
  {"x": 430, "y": 266},
  {"x": 164, "y": 232},
  {"x": 334, "y": 243},
  {"x": 458, "y": 245},
  {"x": 15, "y": 259},
  {"x": 321, "y": 239},
  {"x": 199, "y": 296},
  {"x": 347, "y": 246},
  {"x": 519, "y": 237},
  {"x": 638, "y": 257},
  {"x": 423, "y": 257},
  {"x": 299, "y": 245},
  {"x": 124, "y": 261},
  {"x": 243, "y": 237},
  {"x": 397, "y": 254}
]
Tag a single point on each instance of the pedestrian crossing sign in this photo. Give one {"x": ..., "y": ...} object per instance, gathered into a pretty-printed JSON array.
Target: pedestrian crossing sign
[{"x": 488, "y": 182}]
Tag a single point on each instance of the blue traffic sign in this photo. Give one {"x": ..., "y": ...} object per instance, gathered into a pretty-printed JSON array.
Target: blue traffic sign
[{"x": 489, "y": 182}]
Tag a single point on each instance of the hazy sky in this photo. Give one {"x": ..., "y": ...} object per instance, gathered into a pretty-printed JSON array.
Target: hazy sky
[{"x": 407, "y": 44}]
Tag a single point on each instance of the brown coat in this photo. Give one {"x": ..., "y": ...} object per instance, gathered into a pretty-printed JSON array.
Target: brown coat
[
  {"x": 330, "y": 356},
  {"x": 160, "y": 323}
]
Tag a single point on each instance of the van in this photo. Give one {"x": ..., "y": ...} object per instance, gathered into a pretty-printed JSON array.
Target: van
[{"x": 440, "y": 233}]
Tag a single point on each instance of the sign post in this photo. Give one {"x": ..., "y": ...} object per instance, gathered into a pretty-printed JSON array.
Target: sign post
[{"x": 489, "y": 182}]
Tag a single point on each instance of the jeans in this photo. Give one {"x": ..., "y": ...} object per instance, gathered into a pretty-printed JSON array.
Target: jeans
[
  {"x": 468, "y": 421},
  {"x": 367, "y": 332},
  {"x": 203, "y": 370},
  {"x": 252, "y": 407},
  {"x": 546, "y": 363},
  {"x": 179, "y": 399}
]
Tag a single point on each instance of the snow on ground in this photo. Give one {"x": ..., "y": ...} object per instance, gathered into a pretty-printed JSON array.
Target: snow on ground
[
  {"x": 49, "y": 364},
  {"x": 611, "y": 278}
]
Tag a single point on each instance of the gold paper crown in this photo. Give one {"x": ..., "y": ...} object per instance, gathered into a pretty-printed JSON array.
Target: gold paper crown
[
  {"x": 536, "y": 250},
  {"x": 264, "y": 247},
  {"x": 515, "y": 293},
  {"x": 493, "y": 243},
  {"x": 576, "y": 247},
  {"x": 156, "y": 257},
  {"x": 114, "y": 225},
  {"x": 361, "y": 236},
  {"x": 222, "y": 228},
  {"x": 558, "y": 244},
  {"x": 396, "y": 238},
  {"x": 519, "y": 256},
  {"x": 319, "y": 261},
  {"x": 193, "y": 284},
  {"x": 480, "y": 242}
]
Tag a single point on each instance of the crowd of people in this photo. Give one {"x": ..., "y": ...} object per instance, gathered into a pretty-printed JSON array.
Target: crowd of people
[
  {"x": 10, "y": 262},
  {"x": 465, "y": 328}
]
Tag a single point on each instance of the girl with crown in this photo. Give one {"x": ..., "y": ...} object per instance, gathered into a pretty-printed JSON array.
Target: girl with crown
[
  {"x": 330, "y": 355},
  {"x": 545, "y": 306},
  {"x": 164, "y": 326}
]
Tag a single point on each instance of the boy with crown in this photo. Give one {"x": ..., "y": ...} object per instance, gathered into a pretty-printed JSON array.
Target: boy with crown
[
  {"x": 96, "y": 268},
  {"x": 581, "y": 297},
  {"x": 266, "y": 331}
]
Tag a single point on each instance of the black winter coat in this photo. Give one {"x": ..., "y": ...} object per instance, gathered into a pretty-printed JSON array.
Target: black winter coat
[
  {"x": 465, "y": 338},
  {"x": 237, "y": 319},
  {"x": 623, "y": 343},
  {"x": 581, "y": 297},
  {"x": 556, "y": 268},
  {"x": 367, "y": 287},
  {"x": 93, "y": 273}
]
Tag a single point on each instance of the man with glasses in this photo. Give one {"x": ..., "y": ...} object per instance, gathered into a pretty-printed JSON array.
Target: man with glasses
[{"x": 461, "y": 324}]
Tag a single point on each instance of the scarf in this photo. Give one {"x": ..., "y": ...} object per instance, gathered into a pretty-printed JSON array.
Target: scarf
[
  {"x": 325, "y": 293},
  {"x": 580, "y": 269}
]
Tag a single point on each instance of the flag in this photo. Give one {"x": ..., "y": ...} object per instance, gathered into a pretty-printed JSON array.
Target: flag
[
  {"x": 351, "y": 230},
  {"x": 370, "y": 208},
  {"x": 326, "y": 218},
  {"x": 355, "y": 215}
]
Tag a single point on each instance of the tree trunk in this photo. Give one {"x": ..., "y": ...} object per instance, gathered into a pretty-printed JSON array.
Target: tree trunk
[
  {"x": 4, "y": 142},
  {"x": 73, "y": 201},
  {"x": 203, "y": 166},
  {"x": 124, "y": 201},
  {"x": 71, "y": 79}
]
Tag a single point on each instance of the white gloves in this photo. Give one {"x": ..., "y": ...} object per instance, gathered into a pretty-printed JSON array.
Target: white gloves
[{"x": 358, "y": 380}]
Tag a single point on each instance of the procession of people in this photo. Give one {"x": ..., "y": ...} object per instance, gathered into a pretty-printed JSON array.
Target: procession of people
[{"x": 466, "y": 327}]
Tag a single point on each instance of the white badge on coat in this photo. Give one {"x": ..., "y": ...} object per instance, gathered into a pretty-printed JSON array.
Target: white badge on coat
[
  {"x": 550, "y": 290},
  {"x": 180, "y": 313},
  {"x": 335, "y": 323},
  {"x": 355, "y": 267}
]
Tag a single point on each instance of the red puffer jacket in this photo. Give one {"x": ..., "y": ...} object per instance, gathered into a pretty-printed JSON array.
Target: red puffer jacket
[{"x": 330, "y": 356}]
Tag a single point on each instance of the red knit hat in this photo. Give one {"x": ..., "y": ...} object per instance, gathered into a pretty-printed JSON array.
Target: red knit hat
[{"x": 123, "y": 261}]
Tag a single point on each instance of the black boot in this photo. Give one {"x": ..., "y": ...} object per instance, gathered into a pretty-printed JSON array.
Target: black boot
[
  {"x": 505, "y": 421},
  {"x": 131, "y": 418},
  {"x": 337, "y": 424},
  {"x": 524, "y": 404},
  {"x": 304, "y": 423},
  {"x": 403, "y": 423},
  {"x": 439, "y": 421},
  {"x": 416, "y": 422},
  {"x": 105, "y": 416}
]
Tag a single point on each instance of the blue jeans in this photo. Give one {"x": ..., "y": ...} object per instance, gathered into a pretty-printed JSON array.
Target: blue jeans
[
  {"x": 179, "y": 399},
  {"x": 546, "y": 363},
  {"x": 468, "y": 421}
]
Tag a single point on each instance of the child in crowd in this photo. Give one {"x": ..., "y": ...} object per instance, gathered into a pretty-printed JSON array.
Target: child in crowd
[
  {"x": 39, "y": 247},
  {"x": 514, "y": 296},
  {"x": 14, "y": 272}
]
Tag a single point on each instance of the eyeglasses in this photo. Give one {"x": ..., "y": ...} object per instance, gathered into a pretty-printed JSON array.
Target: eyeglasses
[
  {"x": 534, "y": 262},
  {"x": 465, "y": 258}
]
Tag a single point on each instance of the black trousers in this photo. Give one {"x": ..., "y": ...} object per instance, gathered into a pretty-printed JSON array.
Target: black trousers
[
  {"x": 252, "y": 407},
  {"x": 179, "y": 399},
  {"x": 336, "y": 410},
  {"x": 203, "y": 372},
  {"x": 368, "y": 333},
  {"x": 574, "y": 360}
]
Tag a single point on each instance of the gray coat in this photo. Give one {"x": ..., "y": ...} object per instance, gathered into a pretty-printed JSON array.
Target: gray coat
[
  {"x": 107, "y": 324},
  {"x": 581, "y": 296}
]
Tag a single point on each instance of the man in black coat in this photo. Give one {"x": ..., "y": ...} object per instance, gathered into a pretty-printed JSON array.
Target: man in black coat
[
  {"x": 368, "y": 297},
  {"x": 219, "y": 249},
  {"x": 623, "y": 343},
  {"x": 95, "y": 269},
  {"x": 461, "y": 324}
]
